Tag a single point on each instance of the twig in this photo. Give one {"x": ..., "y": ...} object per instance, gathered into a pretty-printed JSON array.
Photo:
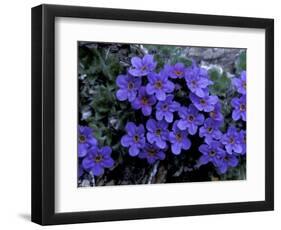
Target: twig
[
  {"x": 92, "y": 179},
  {"x": 153, "y": 172},
  {"x": 143, "y": 50},
  {"x": 107, "y": 52}
]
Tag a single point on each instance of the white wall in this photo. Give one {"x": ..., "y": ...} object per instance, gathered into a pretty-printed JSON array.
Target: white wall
[{"x": 15, "y": 113}]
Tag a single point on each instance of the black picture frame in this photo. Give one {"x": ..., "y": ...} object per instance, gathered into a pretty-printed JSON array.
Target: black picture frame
[{"x": 43, "y": 114}]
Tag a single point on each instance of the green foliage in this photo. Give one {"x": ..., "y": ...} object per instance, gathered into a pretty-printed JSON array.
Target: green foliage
[
  {"x": 221, "y": 82},
  {"x": 99, "y": 66},
  {"x": 168, "y": 54},
  {"x": 237, "y": 173},
  {"x": 240, "y": 64}
]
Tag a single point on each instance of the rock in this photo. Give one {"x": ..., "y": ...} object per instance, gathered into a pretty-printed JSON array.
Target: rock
[{"x": 225, "y": 57}]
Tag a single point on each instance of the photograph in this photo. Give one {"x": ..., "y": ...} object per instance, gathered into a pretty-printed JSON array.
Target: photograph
[
  {"x": 142, "y": 114},
  {"x": 153, "y": 114}
]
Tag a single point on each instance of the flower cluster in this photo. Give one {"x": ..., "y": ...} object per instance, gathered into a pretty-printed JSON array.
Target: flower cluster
[
  {"x": 169, "y": 122},
  {"x": 223, "y": 149},
  {"x": 92, "y": 158},
  {"x": 239, "y": 103}
]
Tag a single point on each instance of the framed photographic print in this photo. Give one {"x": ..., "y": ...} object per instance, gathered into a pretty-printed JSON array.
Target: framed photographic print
[{"x": 142, "y": 114}]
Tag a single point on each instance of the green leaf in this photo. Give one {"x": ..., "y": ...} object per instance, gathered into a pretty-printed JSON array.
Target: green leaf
[
  {"x": 187, "y": 62},
  {"x": 221, "y": 82},
  {"x": 214, "y": 74},
  {"x": 241, "y": 62}
]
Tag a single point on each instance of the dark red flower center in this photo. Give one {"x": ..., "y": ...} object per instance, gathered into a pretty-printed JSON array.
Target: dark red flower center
[
  {"x": 193, "y": 82},
  {"x": 82, "y": 138},
  {"x": 212, "y": 153},
  {"x": 151, "y": 152},
  {"x": 178, "y": 72},
  {"x": 210, "y": 129},
  {"x": 202, "y": 102},
  {"x": 165, "y": 107},
  {"x": 231, "y": 140},
  {"x": 242, "y": 107},
  {"x": 136, "y": 138},
  {"x": 226, "y": 158},
  {"x": 158, "y": 132},
  {"x": 144, "y": 67},
  {"x": 178, "y": 136},
  {"x": 98, "y": 158},
  {"x": 130, "y": 85},
  {"x": 190, "y": 118},
  {"x": 158, "y": 84},
  {"x": 144, "y": 100}
]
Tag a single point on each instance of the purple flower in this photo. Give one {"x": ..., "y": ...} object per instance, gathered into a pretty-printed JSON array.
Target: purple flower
[
  {"x": 157, "y": 133},
  {"x": 243, "y": 141},
  {"x": 178, "y": 139},
  {"x": 206, "y": 103},
  {"x": 159, "y": 85},
  {"x": 211, "y": 152},
  {"x": 197, "y": 80},
  {"x": 166, "y": 108},
  {"x": 152, "y": 153},
  {"x": 85, "y": 140},
  {"x": 216, "y": 114},
  {"x": 176, "y": 71},
  {"x": 141, "y": 67},
  {"x": 190, "y": 119},
  {"x": 128, "y": 87},
  {"x": 240, "y": 83},
  {"x": 227, "y": 162},
  {"x": 210, "y": 130},
  {"x": 239, "y": 105},
  {"x": 134, "y": 139},
  {"x": 144, "y": 102},
  {"x": 232, "y": 141},
  {"x": 98, "y": 159}
]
